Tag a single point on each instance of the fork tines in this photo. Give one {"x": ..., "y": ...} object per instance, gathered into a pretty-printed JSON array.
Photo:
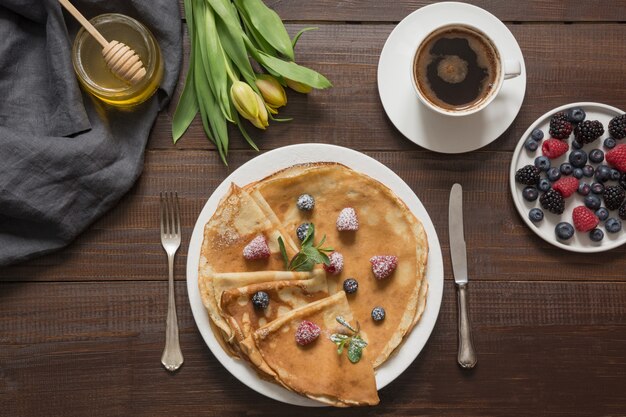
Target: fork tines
[{"x": 170, "y": 214}]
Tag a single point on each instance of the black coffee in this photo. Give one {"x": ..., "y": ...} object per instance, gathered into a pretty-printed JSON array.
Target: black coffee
[{"x": 456, "y": 68}]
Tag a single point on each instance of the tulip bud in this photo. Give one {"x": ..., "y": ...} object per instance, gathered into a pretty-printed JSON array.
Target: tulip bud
[
  {"x": 298, "y": 86},
  {"x": 273, "y": 93},
  {"x": 249, "y": 104}
]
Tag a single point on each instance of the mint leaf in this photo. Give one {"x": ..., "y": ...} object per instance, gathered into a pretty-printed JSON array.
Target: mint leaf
[
  {"x": 308, "y": 237},
  {"x": 283, "y": 251},
  {"x": 338, "y": 337},
  {"x": 354, "y": 352}
]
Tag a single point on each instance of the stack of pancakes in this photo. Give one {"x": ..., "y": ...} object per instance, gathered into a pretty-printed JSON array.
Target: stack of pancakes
[{"x": 266, "y": 337}]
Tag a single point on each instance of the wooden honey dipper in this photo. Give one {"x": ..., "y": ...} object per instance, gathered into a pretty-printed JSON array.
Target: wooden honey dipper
[{"x": 120, "y": 59}]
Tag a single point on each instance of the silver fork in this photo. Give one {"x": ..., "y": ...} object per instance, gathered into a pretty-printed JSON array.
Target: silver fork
[{"x": 172, "y": 357}]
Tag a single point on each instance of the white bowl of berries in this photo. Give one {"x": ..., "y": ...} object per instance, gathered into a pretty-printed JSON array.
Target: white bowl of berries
[{"x": 568, "y": 177}]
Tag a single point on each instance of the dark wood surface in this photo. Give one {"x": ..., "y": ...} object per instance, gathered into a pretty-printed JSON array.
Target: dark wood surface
[{"x": 82, "y": 330}]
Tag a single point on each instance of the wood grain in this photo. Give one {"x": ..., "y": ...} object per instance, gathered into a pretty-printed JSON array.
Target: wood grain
[{"x": 93, "y": 349}]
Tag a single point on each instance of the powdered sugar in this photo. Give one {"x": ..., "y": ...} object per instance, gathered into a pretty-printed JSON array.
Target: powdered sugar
[
  {"x": 336, "y": 263},
  {"x": 257, "y": 249},
  {"x": 383, "y": 265},
  {"x": 307, "y": 332},
  {"x": 347, "y": 220}
]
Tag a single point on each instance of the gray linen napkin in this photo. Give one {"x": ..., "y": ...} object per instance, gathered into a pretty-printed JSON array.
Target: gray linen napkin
[{"x": 66, "y": 158}]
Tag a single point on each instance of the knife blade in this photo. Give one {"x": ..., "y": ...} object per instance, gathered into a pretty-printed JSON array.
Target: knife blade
[{"x": 466, "y": 356}]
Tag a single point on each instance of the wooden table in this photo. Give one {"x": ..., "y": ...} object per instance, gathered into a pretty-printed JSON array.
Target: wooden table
[{"x": 82, "y": 330}]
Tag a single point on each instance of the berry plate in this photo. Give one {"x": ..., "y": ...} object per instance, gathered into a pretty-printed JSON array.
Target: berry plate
[
  {"x": 580, "y": 242},
  {"x": 275, "y": 160}
]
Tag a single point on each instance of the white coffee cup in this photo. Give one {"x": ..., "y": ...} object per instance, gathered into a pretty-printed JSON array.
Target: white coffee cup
[{"x": 455, "y": 69}]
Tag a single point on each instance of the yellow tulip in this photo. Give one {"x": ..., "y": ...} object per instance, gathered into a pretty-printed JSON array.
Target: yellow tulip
[
  {"x": 298, "y": 86},
  {"x": 248, "y": 104},
  {"x": 273, "y": 93}
]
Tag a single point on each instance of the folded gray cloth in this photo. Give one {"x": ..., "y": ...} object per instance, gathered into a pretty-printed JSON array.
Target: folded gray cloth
[{"x": 65, "y": 157}]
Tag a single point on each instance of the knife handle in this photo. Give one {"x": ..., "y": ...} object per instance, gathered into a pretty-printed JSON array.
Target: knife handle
[{"x": 466, "y": 356}]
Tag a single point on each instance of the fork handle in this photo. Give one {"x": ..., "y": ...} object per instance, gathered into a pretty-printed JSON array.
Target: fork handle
[{"x": 172, "y": 357}]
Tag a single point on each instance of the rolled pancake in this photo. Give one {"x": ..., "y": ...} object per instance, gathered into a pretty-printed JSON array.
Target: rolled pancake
[
  {"x": 386, "y": 227},
  {"x": 237, "y": 220},
  {"x": 244, "y": 318},
  {"x": 316, "y": 370}
]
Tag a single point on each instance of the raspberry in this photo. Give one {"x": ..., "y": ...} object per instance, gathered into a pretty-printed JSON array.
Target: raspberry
[
  {"x": 256, "y": 249},
  {"x": 347, "y": 220},
  {"x": 336, "y": 263},
  {"x": 617, "y": 157},
  {"x": 560, "y": 127},
  {"x": 566, "y": 186},
  {"x": 307, "y": 332},
  {"x": 553, "y": 148},
  {"x": 383, "y": 265},
  {"x": 584, "y": 219}
]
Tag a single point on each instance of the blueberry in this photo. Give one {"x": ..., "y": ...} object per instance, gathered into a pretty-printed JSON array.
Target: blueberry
[
  {"x": 576, "y": 145},
  {"x": 564, "y": 231},
  {"x": 596, "y": 155},
  {"x": 306, "y": 202},
  {"x": 576, "y": 115},
  {"x": 554, "y": 174},
  {"x": 588, "y": 171},
  {"x": 566, "y": 168},
  {"x": 577, "y": 173},
  {"x": 535, "y": 215},
  {"x": 592, "y": 202},
  {"x": 615, "y": 174},
  {"x": 597, "y": 188},
  {"x": 613, "y": 225},
  {"x": 602, "y": 213},
  {"x": 544, "y": 184},
  {"x": 530, "y": 193},
  {"x": 350, "y": 286},
  {"x": 603, "y": 173},
  {"x": 260, "y": 300},
  {"x": 542, "y": 162},
  {"x": 378, "y": 313},
  {"x": 584, "y": 188},
  {"x": 609, "y": 143},
  {"x": 531, "y": 144},
  {"x": 537, "y": 134},
  {"x": 301, "y": 230},
  {"x": 596, "y": 235},
  {"x": 578, "y": 158}
]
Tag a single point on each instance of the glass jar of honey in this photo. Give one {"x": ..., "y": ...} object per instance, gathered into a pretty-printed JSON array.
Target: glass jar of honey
[{"x": 93, "y": 73}]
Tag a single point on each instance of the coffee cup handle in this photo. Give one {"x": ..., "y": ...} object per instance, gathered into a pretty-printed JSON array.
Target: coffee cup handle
[{"x": 512, "y": 69}]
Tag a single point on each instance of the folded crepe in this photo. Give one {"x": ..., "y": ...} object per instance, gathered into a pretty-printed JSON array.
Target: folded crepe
[
  {"x": 317, "y": 370},
  {"x": 286, "y": 295},
  {"x": 386, "y": 227}
]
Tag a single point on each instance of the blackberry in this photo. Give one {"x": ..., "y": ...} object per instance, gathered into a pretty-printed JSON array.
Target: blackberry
[
  {"x": 622, "y": 180},
  {"x": 260, "y": 300},
  {"x": 306, "y": 202},
  {"x": 301, "y": 230},
  {"x": 350, "y": 286},
  {"x": 613, "y": 196},
  {"x": 617, "y": 127},
  {"x": 378, "y": 313},
  {"x": 528, "y": 175},
  {"x": 588, "y": 131},
  {"x": 560, "y": 127},
  {"x": 622, "y": 212},
  {"x": 552, "y": 201}
]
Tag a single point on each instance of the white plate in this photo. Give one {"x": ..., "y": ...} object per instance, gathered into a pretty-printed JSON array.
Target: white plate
[
  {"x": 423, "y": 126},
  {"x": 268, "y": 163},
  {"x": 545, "y": 229}
]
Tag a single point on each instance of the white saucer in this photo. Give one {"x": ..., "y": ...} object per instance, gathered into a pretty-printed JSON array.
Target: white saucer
[
  {"x": 431, "y": 130},
  {"x": 277, "y": 159}
]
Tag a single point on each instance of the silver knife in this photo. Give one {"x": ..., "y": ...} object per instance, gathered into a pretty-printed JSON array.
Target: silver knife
[{"x": 466, "y": 355}]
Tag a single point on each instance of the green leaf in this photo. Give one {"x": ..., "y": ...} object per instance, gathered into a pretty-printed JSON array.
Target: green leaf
[
  {"x": 292, "y": 71},
  {"x": 344, "y": 323},
  {"x": 268, "y": 24},
  {"x": 295, "y": 39},
  {"x": 283, "y": 251},
  {"x": 187, "y": 106},
  {"x": 257, "y": 38},
  {"x": 315, "y": 255},
  {"x": 357, "y": 340},
  {"x": 309, "y": 236},
  {"x": 338, "y": 337},
  {"x": 354, "y": 352}
]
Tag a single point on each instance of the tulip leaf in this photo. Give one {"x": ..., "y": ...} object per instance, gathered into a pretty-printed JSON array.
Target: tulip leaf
[
  {"x": 293, "y": 71},
  {"x": 296, "y": 38},
  {"x": 187, "y": 107},
  {"x": 260, "y": 42},
  {"x": 268, "y": 24}
]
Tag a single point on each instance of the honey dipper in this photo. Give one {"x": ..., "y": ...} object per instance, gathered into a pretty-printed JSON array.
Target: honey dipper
[{"x": 120, "y": 59}]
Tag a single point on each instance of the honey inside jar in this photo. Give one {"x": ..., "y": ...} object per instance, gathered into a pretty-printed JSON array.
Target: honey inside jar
[{"x": 93, "y": 73}]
